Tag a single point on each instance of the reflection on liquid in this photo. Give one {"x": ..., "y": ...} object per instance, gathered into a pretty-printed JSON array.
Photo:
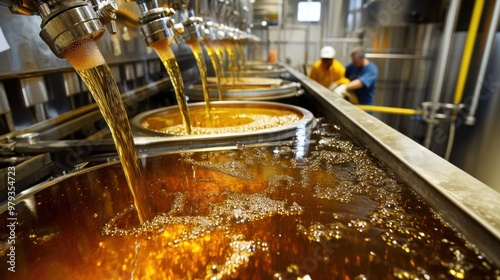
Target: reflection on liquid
[
  {"x": 251, "y": 213},
  {"x": 222, "y": 120}
]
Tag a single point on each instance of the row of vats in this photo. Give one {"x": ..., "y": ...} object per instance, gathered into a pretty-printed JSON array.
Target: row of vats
[
  {"x": 248, "y": 171},
  {"x": 76, "y": 138},
  {"x": 42, "y": 92}
]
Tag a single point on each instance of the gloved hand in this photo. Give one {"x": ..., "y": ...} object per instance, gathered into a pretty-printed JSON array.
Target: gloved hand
[
  {"x": 341, "y": 91},
  {"x": 332, "y": 86}
]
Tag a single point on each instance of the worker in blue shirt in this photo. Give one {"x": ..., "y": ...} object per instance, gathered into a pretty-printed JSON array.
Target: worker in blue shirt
[{"x": 363, "y": 75}]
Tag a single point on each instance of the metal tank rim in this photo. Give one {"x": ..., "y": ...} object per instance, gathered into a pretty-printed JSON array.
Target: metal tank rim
[
  {"x": 282, "y": 89},
  {"x": 307, "y": 121},
  {"x": 460, "y": 199}
]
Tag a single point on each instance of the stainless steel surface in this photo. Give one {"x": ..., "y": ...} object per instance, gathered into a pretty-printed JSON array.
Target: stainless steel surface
[
  {"x": 193, "y": 28},
  {"x": 406, "y": 82},
  {"x": 306, "y": 122},
  {"x": 71, "y": 83},
  {"x": 64, "y": 22},
  {"x": 29, "y": 54},
  {"x": 247, "y": 88},
  {"x": 31, "y": 138},
  {"x": 34, "y": 91},
  {"x": 476, "y": 147},
  {"x": 488, "y": 45},
  {"x": 157, "y": 24},
  {"x": 462, "y": 201},
  {"x": 65, "y": 124},
  {"x": 262, "y": 69},
  {"x": 5, "y": 110},
  {"x": 28, "y": 173},
  {"x": 466, "y": 203},
  {"x": 437, "y": 86},
  {"x": 5, "y": 113},
  {"x": 63, "y": 29}
]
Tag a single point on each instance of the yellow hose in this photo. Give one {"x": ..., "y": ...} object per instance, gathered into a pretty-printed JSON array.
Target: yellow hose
[
  {"x": 389, "y": 110},
  {"x": 469, "y": 47}
]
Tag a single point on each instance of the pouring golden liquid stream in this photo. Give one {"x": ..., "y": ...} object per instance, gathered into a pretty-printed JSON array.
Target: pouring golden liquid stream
[
  {"x": 220, "y": 53},
  {"x": 232, "y": 61},
  {"x": 85, "y": 57},
  {"x": 216, "y": 63},
  {"x": 167, "y": 56},
  {"x": 200, "y": 60},
  {"x": 241, "y": 53}
]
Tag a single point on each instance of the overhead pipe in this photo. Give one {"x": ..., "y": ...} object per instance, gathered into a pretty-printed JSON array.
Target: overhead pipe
[
  {"x": 451, "y": 21},
  {"x": 492, "y": 29},
  {"x": 464, "y": 69}
]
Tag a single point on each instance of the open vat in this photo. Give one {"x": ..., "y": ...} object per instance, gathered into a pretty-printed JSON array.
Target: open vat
[
  {"x": 263, "y": 69},
  {"x": 234, "y": 120},
  {"x": 237, "y": 207},
  {"x": 321, "y": 208}
]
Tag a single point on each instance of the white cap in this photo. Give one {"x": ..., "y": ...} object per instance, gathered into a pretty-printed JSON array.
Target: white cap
[{"x": 327, "y": 52}]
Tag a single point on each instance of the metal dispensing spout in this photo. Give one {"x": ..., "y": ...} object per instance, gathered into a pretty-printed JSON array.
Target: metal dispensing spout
[
  {"x": 157, "y": 23},
  {"x": 191, "y": 22},
  {"x": 64, "y": 22},
  {"x": 193, "y": 28}
]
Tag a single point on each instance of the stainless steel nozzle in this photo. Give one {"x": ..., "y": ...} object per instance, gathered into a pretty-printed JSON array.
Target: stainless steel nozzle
[{"x": 157, "y": 24}]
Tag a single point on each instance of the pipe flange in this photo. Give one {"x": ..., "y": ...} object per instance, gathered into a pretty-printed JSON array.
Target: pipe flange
[
  {"x": 156, "y": 25},
  {"x": 193, "y": 29},
  {"x": 433, "y": 112},
  {"x": 62, "y": 30},
  {"x": 31, "y": 138}
]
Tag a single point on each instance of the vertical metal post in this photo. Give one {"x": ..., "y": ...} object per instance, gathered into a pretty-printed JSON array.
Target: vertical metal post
[
  {"x": 437, "y": 85},
  {"x": 490, "y": 39}
]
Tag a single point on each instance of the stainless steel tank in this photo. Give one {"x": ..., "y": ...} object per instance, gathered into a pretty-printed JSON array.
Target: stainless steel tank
[
  {"x": 236, "y": 120},
  {"x": 246, "y": 88},
  {"x": 354, "y": 198}
]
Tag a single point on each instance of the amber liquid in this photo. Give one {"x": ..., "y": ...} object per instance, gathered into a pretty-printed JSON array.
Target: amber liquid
[
  {"x": 233, "y": 66},
  {"x": 200, "y": 60},
  {"x": 106, "y": 94},
  {"x": 167, "y": 56},
  {"x": 250, "y": 213},
  {"x": 218, "y": 47},
  {"x": 241, "y": 55},
  {"x": 223, "y": 120},
  {"x": 216, "y": 65}
]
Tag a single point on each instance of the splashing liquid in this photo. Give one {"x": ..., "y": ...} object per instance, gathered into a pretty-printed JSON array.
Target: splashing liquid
[
  {"x": 261, "y": 212},
  {"x": 89, "y": 63},
  {"x": 200, "y": 60},
  {"x": 167, "y": 56},
  {"x": 216, "y": 65}
]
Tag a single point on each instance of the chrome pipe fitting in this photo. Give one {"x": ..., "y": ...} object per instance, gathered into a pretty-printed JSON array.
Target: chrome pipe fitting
[
  {"x": 157, "y": 24},
  {"x": 193, "y": 29},
  {"x": 210, "y": 30},
  {"x": 66, "y": 21},
  {"x": 106, "y": 11},
  {"x": 63, "y": 29}
]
